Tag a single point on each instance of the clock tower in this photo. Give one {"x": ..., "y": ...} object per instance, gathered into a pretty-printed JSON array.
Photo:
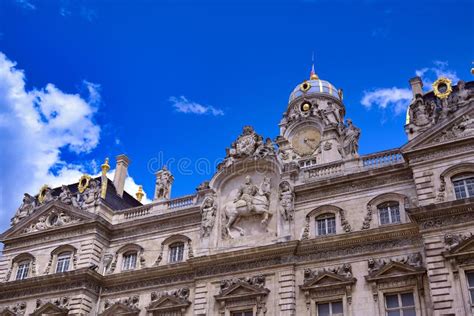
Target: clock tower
[{"x": 312, "y": 130}]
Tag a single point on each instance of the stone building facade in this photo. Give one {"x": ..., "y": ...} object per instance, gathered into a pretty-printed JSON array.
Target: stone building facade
[{"x": 302, "y": 225}]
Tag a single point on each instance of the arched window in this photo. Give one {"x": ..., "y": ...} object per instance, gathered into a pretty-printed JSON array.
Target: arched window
[
  {"x": 129, "y": 260},
  {"x": 23, "y": 270},
  {"x": 176, "y": 251},
  {"x": 63, "y": 262},
  {"x": 463, "y": 186},
  {"x": 326, "y": 224},
  {"x": 389, "y": 212}
]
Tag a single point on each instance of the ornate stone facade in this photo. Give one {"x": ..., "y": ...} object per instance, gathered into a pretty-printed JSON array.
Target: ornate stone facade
[{"x": 286, "y": 227}]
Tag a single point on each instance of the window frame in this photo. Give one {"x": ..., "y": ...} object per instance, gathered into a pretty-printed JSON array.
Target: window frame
[
  {"x": 25, "y": 273},
  {"x": 387, "y": 205},
  {"x": 64, "y": 256},
  {"x": 325, "y": 218},
  {"x": 330, "y": 302},
  {"x": 172, "y": 254},
  {"x": 462, "y": 177},
  {"x": 400, "y": 307},
  {"x": 126, "y": 260}
]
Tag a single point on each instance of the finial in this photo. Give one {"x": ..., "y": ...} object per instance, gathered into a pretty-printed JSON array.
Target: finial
[
  {"x": 105, "y": 166},
  {"x": 140, "y": 193},
  {"x": 313, "y": 75}
]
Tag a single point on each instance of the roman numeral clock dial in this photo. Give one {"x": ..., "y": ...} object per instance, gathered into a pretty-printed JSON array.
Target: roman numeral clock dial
[{"x": 305, "y": 141}]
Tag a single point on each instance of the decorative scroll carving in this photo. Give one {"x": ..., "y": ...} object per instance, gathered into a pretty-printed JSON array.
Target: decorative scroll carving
[
  {"x": 287, "y": 197},
  {"x": 368, "y": 217},
  {"x": 344, "y": 271},
  {"x": 251, "y": 200},
  {"x": 344, "y": 223},
  {"x": 17, "y": 309},
  {"x": 132, "y": 302},
  {"x": 208, "y": 213},
  {"x": 453, "y": 240},
  {"x": 414, "y": 260},
  {"x": 257, "y": 281},
  {"x": 53, "y": 219},
  {"x": 160, "y": 256},
  {"x": 181, "y": 293},
  {"x": 248, "y": 144}
]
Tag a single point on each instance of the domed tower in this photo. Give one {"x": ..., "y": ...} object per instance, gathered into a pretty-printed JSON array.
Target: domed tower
[{"x": 312, "y": 128}]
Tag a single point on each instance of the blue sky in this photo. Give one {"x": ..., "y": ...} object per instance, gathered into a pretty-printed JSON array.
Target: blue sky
[{"x": 84, "y": 80}]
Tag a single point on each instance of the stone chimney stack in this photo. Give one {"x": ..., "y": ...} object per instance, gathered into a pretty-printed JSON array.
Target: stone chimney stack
[
  {"x": 120, "y": 173},
  {"x": 416, "y": 86}
]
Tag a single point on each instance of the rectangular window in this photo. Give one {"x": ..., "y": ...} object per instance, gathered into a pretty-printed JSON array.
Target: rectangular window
[
  {"x": 464, "y": 188},
  {"x": 330, "y": 309},
  {"x": 326, "y": 225},
  {"x": 470, "y": 284},
  {"x": 176, "y": 252},
  {"x": 63, "y": 263},
  {"x": 400, "y": 304},
  {"x": 23, "y": 269},
  {"x": 129, "y": 261},
  {"x": 243, "y": 313},
  {"x": 389, "y": 213},
  {"x": 169, "y": 313}
]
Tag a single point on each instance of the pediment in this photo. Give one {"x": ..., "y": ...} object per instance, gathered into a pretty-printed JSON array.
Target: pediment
[
  {"x": 7, "y": 312},
  {"x": 459, "y": 126},
  {"x": 242, "y": 290},
  {"x": 395, "y": 269},
  {"x": 120, "y": 309},
  {"x": 327, "y": 279},
  {"x": 49, "y": 309},
  {"x": 465, "y": 247},
  {"x": 168, "y": 302},
  {"x": 49, "y": 216}
]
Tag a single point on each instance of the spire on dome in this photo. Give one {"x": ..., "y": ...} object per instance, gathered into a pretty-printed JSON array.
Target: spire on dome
[{"x": 313, "y": 75}]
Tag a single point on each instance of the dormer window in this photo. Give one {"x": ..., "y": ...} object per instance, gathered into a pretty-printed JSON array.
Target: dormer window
[
  {"x": 326, "y": 224},
  {"x": 22, "y": 270},
  {"x": 463, "y": 186},
  {"x": 129, "y": 261},
  {"x": 176, "y": 252},
  {"x": 389, "y": 213},
  {"x": 63, "y": 262}
]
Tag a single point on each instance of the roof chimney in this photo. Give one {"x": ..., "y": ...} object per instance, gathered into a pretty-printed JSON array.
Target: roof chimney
[
  {"x": 416, "y": 86},
  {"x": 120, "y": 173}
]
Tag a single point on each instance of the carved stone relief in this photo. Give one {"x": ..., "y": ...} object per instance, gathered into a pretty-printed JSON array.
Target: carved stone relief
[
  {"x": 251, "y": 200},
  {"x": 131, "y": 302},
  {"x": 257, "y": 281},
  {"x": 452, "y": 240},
  {"x": 345, "y": 271},
  {"x": 53, "y": 219},
  {"x": 181, "y": 293},
  {"x": 415, "y": 260},
  {"x": 18, "y": 309}
]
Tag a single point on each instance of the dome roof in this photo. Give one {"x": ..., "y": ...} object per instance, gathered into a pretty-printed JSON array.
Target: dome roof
[{"x": 315, "y": 86}]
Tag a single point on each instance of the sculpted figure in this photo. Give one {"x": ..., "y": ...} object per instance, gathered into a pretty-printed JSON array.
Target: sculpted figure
[
  {"x": 467, "y": 124},
  {"x": 25, "y": 209},
  {"x": 463, "y": 93},
  {"x": 41, "y": 224},
  {"x": 91, "y": 195},
  {"x": 164, "y": 180},
  {"x": 208, "y": 214},
  {"x": 48, "y": 195},
  {"x": 286, "y": 201},
  {"x": 250, "y": 200},
  {"x": 350, "y": 144},
  {"x": 265, "y": 149},
  {"x": 67, "y": 198}
]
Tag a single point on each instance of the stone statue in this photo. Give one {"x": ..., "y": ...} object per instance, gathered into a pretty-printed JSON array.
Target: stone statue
[
  {"x": 286, "y": 201},
  {"x": 47, "y": 195},
  {"x": 90, "y": 197},
  {"x": 164, "y": 180},
  {"x": 467, "y": 124},
  {"x": 208, "y": 214},
  {"x": 250, "y": 200},
  {"x": 350, "y": 144},
  {"x": 67, "y": 197},
  {"x": 463, "y": 93},
  {"x": 265, "y": 149},
  {"x": 26, "y": 208}
]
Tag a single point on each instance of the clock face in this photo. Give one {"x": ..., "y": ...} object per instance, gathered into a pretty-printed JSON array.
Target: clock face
[{"x": 305, "y": 140}]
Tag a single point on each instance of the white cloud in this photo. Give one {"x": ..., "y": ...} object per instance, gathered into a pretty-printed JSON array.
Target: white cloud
[
  {"x": 398, "y": 99},
  {"x": 25, "y": 4},
  {"x": 383, "y": 98},
  {"x": 183, "y": 105},
  {"x": 36, "y": 127}
]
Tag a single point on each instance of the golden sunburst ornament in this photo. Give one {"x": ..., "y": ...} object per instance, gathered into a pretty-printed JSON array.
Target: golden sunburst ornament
[
  {"x": 42, "y": 193},
  {"x": 83, "y": 183},
  {"x": 442, "y": 87}
]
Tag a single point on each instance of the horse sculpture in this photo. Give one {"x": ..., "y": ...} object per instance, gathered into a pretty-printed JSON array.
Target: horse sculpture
[{"x": 250, "y": 201}]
